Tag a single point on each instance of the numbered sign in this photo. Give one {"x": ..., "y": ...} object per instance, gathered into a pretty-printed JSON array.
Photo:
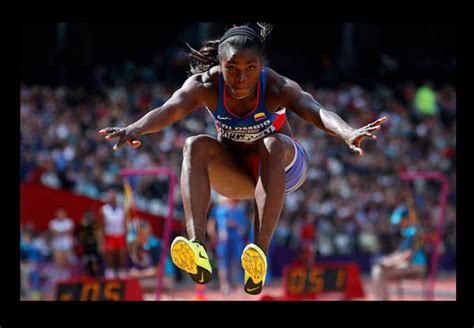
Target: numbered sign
[
  {"x": 99, "y": 290},
  {"x": 307, "y": 283}
]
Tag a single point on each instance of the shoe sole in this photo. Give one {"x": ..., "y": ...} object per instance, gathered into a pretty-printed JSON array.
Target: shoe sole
[
  {"x": 255, "y": 266},
  {"x": 184, "y": 257}
]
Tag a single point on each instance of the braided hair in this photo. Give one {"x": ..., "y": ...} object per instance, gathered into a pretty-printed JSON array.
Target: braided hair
[{"x": 239, "y": 37}]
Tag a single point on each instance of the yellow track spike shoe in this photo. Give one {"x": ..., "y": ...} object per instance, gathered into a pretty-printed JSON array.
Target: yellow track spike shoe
[
  {"x": 191, "y": 256},
  {"x": 254, "y": 263}
]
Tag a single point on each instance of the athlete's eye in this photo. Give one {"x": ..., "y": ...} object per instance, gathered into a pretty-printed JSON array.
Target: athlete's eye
[
  {"x": 230, "y": 68},
  {"x": 251, "y": 67}
]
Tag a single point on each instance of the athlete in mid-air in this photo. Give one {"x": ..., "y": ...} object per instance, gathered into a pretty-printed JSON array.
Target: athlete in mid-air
[{"x": 255, "y": 155}]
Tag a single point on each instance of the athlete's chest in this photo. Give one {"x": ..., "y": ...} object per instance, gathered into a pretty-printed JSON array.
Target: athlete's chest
[
  {"x": 271, "y": 102},
  {"x": 252, "y": 122}
]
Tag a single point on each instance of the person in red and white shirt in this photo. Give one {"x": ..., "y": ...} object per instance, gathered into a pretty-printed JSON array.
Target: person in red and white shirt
[
  {"x": 113, "y": 236},
  {"x": 62, "y": 238}
]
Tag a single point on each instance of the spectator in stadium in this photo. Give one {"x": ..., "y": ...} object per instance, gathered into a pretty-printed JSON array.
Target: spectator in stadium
[
  {"x": 62, "y": 238},
  {"x": 31, "y": 259},
  {"x": 408, "y": 260},
  {"x": 145, "y": 252},
  {"x": 307, "y": 236},
  {"x": 255, "y": 156},
  {"x": 88, "y": 239},
  {"x": 229, "y": 227},
  {"x": 113, "y": 236}
]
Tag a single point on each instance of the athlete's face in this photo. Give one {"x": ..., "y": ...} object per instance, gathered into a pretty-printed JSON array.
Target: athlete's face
[{"x": 241, "y": 69}]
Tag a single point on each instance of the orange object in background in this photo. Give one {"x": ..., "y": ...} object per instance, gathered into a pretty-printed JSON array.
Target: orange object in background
[
  {"x": 301, "y": 282},
  {"x": 88, "y": 289},
  {"x": 200, "y": 292}
]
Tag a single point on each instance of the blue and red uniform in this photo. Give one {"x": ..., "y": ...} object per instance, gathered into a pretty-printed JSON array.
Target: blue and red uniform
[{"x": 255, "y": 125}]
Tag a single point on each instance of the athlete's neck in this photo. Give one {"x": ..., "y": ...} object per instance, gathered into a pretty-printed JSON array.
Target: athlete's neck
[{"x": 231, "y": 94}]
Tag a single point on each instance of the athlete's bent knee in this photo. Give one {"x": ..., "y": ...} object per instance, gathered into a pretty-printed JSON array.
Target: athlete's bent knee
[
  {"x": 197, "y": 146},
  {"x": 272, "y": 144}
]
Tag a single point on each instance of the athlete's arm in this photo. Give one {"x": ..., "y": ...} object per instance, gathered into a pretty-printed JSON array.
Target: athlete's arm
[
  {"x": 181, "y": 103},
  {"x": 305, "y": 106}
]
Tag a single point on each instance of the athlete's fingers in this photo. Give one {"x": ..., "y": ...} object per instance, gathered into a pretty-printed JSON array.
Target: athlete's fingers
[
  {"x": 119, "y": 144},
  {"x": 370, "y": 135},
  {"x": 381, "y": 120},
  {"x": 377, "y": 122},
  {"x": 356, "y": 149},
  {"x": 118, "y": 133},
  {"x": 373, "y": 128},
  {"x": 107, "y": 130},
  {"x": 135, "y": 143}
]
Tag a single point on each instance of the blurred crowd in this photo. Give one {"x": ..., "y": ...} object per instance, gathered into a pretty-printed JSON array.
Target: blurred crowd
[{"x": 346, "y": 203}]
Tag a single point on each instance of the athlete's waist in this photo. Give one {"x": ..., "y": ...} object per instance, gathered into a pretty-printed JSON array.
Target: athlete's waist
[{"x": 244, "y": 148}]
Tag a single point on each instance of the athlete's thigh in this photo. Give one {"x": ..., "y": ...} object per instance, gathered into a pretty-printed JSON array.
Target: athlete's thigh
[
  {"x": 286, "y": 143},
  {"x": 228, "y": 173}
]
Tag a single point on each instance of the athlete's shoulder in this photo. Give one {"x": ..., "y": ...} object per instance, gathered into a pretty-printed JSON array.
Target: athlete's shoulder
[
  {"x": 202, "y": 84},
  {"x": 208, "y": 79},
  {"x": 280, "y": 86},
  {"x": 273, "y": 78}
]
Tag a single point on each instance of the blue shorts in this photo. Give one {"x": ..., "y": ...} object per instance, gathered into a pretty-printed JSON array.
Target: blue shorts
[{"x": 297, "y": 171}]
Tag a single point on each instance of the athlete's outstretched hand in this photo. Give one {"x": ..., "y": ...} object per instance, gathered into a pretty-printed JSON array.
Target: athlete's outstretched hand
[
  {"x": 128, "y": 134},
  {"x": 357, "y": 135}
]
